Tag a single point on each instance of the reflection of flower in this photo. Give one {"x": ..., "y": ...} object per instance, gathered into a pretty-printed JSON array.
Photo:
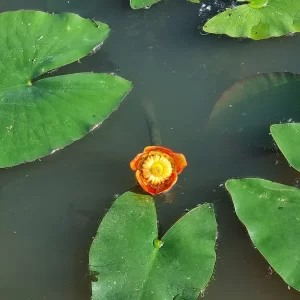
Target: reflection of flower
[{"x": 157, "y": 168}]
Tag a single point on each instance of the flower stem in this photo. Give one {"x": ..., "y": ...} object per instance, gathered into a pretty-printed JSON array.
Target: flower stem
[{"x": 153, "y": 127}]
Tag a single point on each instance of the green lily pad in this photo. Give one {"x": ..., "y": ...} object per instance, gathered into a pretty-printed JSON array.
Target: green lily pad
[
  {"x": 258, "y": 19},
  {"x": 128, "y": 261},
  {"x": 137, "y": 4},
  {"x": 287, "y": 137},
  {"x": 252, "y": 105},
  {"x": 271, "y": 214},
  {"x": 39, "y": 115}
]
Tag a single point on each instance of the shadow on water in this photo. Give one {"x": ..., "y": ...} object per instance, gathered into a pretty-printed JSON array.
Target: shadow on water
[{"x": 50, "y": 209}]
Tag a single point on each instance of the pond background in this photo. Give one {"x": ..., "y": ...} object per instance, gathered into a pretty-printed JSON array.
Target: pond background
[{"x": 50, "y": 209}]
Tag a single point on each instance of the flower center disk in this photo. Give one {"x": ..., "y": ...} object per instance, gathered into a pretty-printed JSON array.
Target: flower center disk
[{"x": 157, "y": 169}]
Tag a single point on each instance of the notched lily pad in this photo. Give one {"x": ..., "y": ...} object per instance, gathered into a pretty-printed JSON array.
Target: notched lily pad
[
  {"x": 248, "y": 108},
  {"x": 38, "y": 116},
  {"x": 137, "y": 4},
  {"x": 271, "y": 213},
  {"x": 258, "y": 19},
  {"x": 132, "y": 263}
]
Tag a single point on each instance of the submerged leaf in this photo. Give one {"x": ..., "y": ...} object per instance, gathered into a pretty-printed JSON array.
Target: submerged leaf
[
  {"x": 132, "y": 263},
  {"x": 37, "y": 115},
  {"x": 287, "y": 137},
  {"x": 271, "y": 214},
  {"x": 137, "y": 4},
  {"x": 258, "y": 19},
  {"x": 252, "y": 105}
]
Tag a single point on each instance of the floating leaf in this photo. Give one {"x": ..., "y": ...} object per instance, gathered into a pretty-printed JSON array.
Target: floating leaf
[
  {"x": 38, "y": 116},
  {"x": 287, "y": 137},
  {"x": 258, "y": 19},
  {"x": 130, "y": 262},
  {"x": 271, "y": 214},
  {"x": 252, "y": 105},
  {"x": 137, "y": 4}
]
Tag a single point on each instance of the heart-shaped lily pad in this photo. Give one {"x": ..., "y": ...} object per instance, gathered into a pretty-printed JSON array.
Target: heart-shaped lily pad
[
  {"x": 252, "y": 105},
  {"x": 258, "y": 19},
  {"x": 127, "y": 261},
  {"x": 271, "y": 213},
  {"x": 137, "y": 4},
  {"x": 287, "y": 137},
  {"x": 38, "y": 116}
]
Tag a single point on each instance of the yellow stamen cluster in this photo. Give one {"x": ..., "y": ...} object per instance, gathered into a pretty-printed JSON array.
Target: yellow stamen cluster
[{"x": 157, "y": 169}]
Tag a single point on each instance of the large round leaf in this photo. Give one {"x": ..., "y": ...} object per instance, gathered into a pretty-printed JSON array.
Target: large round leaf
[
  {"x": 259, "y": 19},
  {"x": 252, "y": 105},
  {"x": 271, "y": 214},
  {"x": 38, "y": 116},
  {"x": 287, "y": 137},
  {"x": 137, "y": 4},
  {"x": 126, "y": 260}
]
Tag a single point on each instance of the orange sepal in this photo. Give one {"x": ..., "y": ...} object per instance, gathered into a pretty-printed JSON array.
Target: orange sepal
[
  {"x": 149, "y": 189},
  {"x": 143, "y": 184},
  {"x": 180, "y": 162},
  {"x": 134, "y": 163},
  {"x": 172, "y": 181},
  {"x": 158, "y": 148}
]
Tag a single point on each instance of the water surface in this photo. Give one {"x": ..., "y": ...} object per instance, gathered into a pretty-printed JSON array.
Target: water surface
[{"x": 50, "y": 209}]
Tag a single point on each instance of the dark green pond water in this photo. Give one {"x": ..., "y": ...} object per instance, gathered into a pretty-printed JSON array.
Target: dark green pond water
[{"x": 50, "y": 209}]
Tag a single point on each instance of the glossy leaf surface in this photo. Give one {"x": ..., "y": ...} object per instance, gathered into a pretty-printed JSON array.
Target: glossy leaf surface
[
  {"x": 137, "y": 4},
  {"x": 38, "y": 116},
  {"x": 127, "y": 262},
  {"x": 257, "y": 19},
  {"x": 271, "y": 213},
  {"x": 287, "y": 137}
]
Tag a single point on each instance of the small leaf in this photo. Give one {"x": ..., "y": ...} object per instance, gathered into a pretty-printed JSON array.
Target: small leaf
[
  {"x": 132, "y": 263},
  {"x": 252, "y": 105},
  {"x": 271, "y": 213},
  {"x": 39, "y": 116},
  {"x": 287, "y": 137},
  {"x": 258, "y": 19},
  {"x": 137, "y": 4}
]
